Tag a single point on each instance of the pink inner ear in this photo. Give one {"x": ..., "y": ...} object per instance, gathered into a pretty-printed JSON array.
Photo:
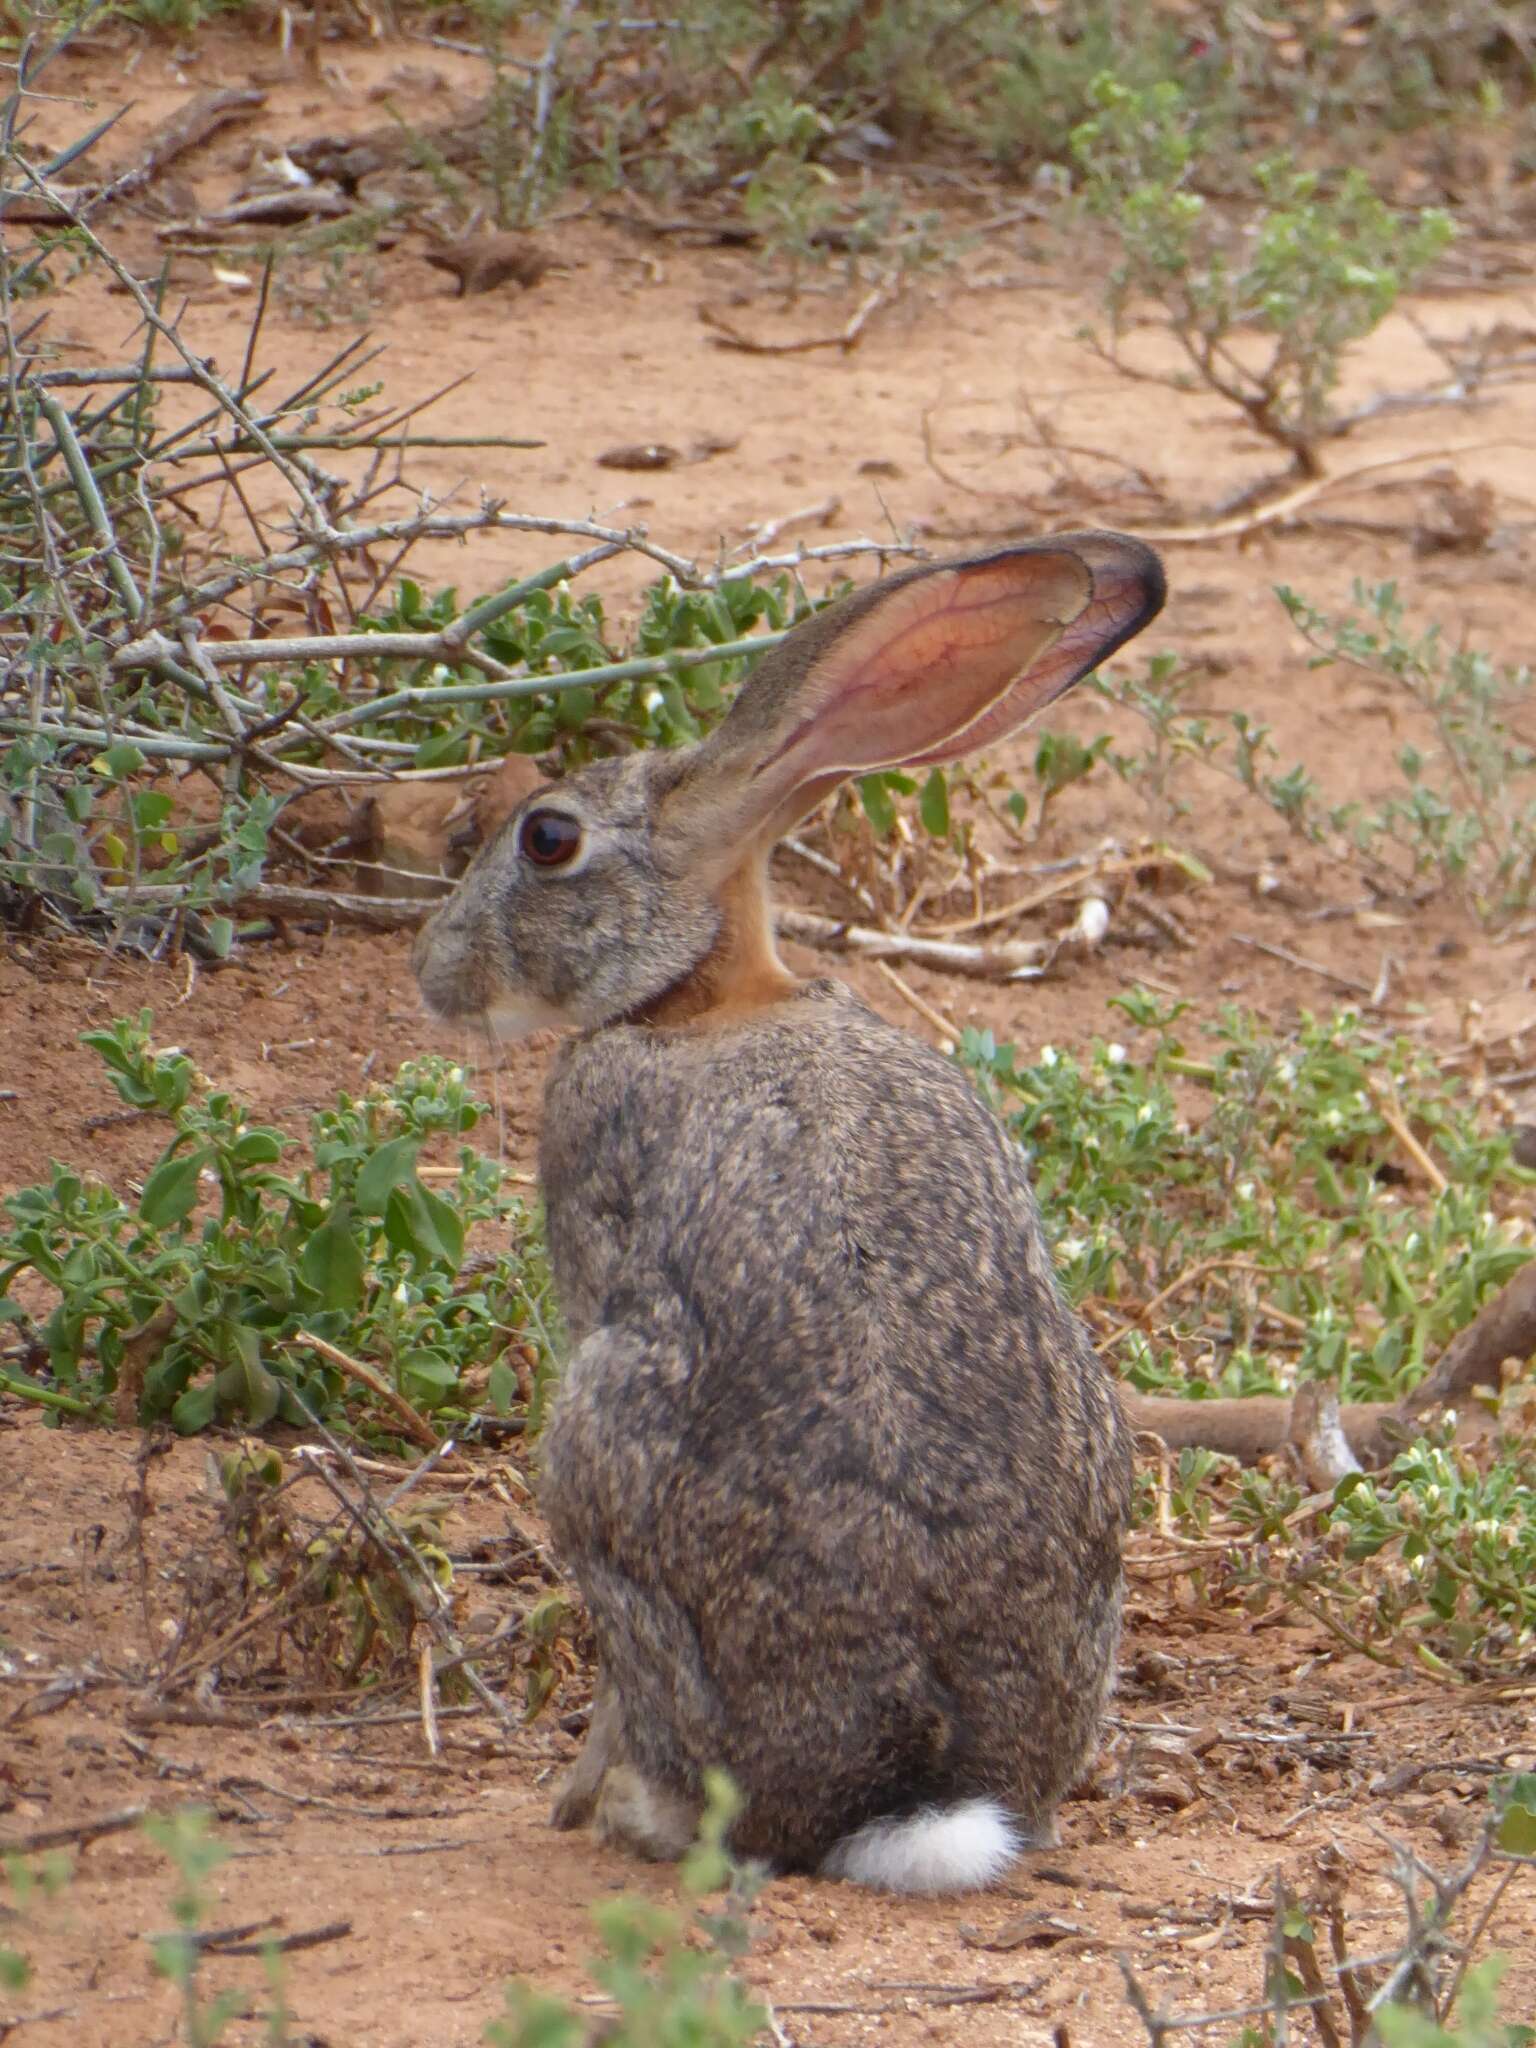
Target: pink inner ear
[
  {"x": 914, "y": 676},
  {"x": 1121, "y": 602}
]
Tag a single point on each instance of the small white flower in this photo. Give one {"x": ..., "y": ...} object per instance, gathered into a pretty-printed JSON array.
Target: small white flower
[
  {"x": 401, "y": 1298},
  {"x": 1049, "y": 1056},
  {"x": 1285, "y": 1073},
  {"x": 1245, "y": 1191},
  {"x": 455, "y": 1075},
  {"x": 1070, "y": 1248},
  {"x": 1145, "y": 1114},
  {"x": 1114, "y": 1055},
  {"x": 1334, "y": 1119}
]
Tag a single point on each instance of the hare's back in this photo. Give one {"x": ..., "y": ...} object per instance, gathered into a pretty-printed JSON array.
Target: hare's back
[{"x": 819, "y": 1210}]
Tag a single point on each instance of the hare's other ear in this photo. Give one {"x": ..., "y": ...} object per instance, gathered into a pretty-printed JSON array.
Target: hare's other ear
[{"x": 920, "y": 668}]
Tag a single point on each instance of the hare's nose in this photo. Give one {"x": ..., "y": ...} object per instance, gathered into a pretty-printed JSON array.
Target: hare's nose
[{"x": 443, "y": 959}]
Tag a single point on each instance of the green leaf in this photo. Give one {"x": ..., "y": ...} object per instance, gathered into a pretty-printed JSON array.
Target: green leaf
[
  {"x": 442, "y": 749},
  {"x": 170, "y": 1193},
  {"x": 447, "y": 1228},
  {"x": 574, "y": 707},
  {"x": 151, "y": 809},
  {"x": 875, "y": 795},
  {"x": 247, "y": 1381},
  {"x": 195, "y": 1409},
  {"x": 1517, "y": 1824},
  {"x": 259, "y": 1147},
  {"x": 122, "y": 759},
  {"x": 384, "y": 1171},
  {"x": 424, "y": 1226},
  {"x": 332, "y": 1261},
  {"x": 933, "y": 805},
  {"x": 221, "y": 936}
]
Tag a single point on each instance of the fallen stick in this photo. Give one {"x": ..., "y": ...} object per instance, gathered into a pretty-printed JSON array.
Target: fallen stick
[
  {"x": 203, "y": 117},
  {"x": 1504, "y": 1328},
  {"x": 1257, "y": 1425},
  {"x": 1016, "y": 961},
  {"x": 185, "y": 130},
  {"x": 75, "y": 1833},
  {"x": 1317, "y": 1436},
  {"x": 723, "y": 335},
  {"x": 1274, "y": 509},
  {"x": 284, "y": 1944},
  {"x": 286, "y": 209},
  {"x": 415, "y": 1424}
]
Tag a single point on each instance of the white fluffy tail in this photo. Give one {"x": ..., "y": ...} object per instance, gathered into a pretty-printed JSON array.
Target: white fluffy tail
[{"x": 959, "y": 1848}]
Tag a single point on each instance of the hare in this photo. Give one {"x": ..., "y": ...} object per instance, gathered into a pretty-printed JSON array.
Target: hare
[{"x": 837, "y": 1470}]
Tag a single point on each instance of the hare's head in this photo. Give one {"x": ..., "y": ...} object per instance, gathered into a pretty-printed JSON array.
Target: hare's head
[{"x": 636, "y": 886}]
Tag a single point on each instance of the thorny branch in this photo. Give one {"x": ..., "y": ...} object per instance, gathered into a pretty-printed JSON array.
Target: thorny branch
[{"x": 1343, "y": 1995}]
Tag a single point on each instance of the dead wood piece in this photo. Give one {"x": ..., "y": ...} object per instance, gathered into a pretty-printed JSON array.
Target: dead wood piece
[
  {"x": 284, "y": 1944},
  {"x": 640, "y": 455},
  {"x": 1504, "y": 1328},
  {"x": 141, "y": 1347},
  {"x": 75, "y": 1833},
  {"x": 379, "y": 913},
  {"x": 187, "y": 1714},
  {"x": 288, "y": 208},
  {"x": 724, "y": 335},
  {"x": 46, "y": 209},
  {"x": 349, "y": 159},
  {"x": 738, "y": 234},
  {"x": 1029, "y": 1930},
  {"x": 1026, "y": 958},
  {"x": 1317, "y": 1436},
  {"x": 412, "y": 839},
  {"x": 1255, "y": 1426},
  {"x": 184, "y": 131},
  {"x": 220, "y": 1937},
  {"x": 415, "y": 1424},
  {"x": 482, "y": 262}
]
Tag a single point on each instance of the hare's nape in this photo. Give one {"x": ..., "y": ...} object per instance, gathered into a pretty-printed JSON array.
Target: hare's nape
[{"x": 932, "y": 664}]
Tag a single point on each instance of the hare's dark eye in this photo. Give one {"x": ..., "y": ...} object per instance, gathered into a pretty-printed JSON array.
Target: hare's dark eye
[{"x": 548, "y": 838}]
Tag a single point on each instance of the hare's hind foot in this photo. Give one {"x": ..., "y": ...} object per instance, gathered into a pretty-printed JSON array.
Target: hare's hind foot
[{"x": 635, "y": 1813}]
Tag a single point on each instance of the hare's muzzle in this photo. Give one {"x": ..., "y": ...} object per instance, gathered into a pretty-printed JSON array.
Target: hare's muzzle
[{"x": 450, "y": 964}]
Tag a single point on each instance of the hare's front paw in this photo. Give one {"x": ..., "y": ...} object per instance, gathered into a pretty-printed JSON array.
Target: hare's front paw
[{"x": 577, "y": 1795}]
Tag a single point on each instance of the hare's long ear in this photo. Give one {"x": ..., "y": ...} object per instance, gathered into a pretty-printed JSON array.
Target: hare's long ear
[{"x": 921, "y": 668}]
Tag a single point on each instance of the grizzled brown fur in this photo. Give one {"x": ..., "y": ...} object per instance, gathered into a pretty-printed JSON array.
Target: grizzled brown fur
[{"x": 836, "y": 1468}]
